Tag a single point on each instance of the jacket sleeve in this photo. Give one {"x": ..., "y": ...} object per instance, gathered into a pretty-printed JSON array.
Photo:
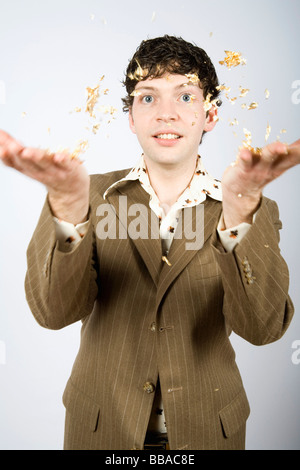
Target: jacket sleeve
[
  {"x": 60, "y": 287},
  {"x": 255, "y": 279}
]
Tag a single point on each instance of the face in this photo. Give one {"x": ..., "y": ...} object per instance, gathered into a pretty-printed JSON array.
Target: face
[{"x": 168, "y": 118}]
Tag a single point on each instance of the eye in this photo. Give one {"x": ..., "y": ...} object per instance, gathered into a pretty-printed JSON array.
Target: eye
[
  {"x": 147, "y": 99},
  {"x": 186, "y": 97}
]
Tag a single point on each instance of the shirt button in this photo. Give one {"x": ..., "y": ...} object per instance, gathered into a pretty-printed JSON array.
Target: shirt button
[
  {"x": 148, "y": 387},
  {"x": 153, "y": 326}
]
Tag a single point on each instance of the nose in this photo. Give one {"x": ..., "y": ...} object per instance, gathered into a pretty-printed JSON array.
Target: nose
[{"x": 167, "y": 111}]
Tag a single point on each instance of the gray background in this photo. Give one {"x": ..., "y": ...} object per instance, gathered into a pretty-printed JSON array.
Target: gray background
[{"x": 50, "y": 52}]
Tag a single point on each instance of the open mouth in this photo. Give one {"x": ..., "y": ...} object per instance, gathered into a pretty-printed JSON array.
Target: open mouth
[{"x": 167, "y": 136}]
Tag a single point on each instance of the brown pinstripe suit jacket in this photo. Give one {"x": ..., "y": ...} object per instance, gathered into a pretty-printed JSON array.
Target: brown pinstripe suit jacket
[{"x": 142, "y": 319}]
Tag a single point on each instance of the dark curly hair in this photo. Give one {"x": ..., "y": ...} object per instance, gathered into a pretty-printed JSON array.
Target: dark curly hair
[{"x": 172, "y": 55}]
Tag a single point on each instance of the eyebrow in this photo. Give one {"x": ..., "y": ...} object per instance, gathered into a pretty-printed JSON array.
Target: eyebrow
[{"x": 152, "y": 88}]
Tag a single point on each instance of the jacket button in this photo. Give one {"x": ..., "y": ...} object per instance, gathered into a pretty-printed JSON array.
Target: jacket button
[{"x": 148, "y": 387}]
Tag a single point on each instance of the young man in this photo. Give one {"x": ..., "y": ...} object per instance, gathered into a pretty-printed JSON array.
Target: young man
[{"x": 155, "y": 365}]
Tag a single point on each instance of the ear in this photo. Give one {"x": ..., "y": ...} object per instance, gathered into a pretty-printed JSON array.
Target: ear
[
  {"x": 131, "y": 121},
  {"x": 211, "y": 119}
]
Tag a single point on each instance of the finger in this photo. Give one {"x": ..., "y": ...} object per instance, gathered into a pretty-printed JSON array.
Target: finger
[
  {"x": 272, "y": 152},
  {"x": 294, "y": 151},
  {"x": 246, "y": 159},
  {"x": 44, "y": 159},
  {"x": 7, "y": 141}
]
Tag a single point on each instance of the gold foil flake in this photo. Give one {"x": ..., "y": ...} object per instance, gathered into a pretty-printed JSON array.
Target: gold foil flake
[
  {"x": 165, "y": 259},
  {"x": 232, "y": 59},
  {"x": 243, "y": 105},
  {"x": 193, "y": 98},
  {"x": 95, "y": 128},
  {"x": 139, "y": 73},
  {"x": 81, "y": 148},
  {"x": 232, "y": 100},
  {"x": 243, "y": 91},
  {"x": 153, "y": 17},
  {"x": 107, "y": 110},
  {"x": 24, "y": 114},
  {"x": 268, "y": 130},
  {"x": 136, "y": 93},
  {"x": 283, "y": 131},
  {"x": 248, "y": 136},
  {"x": 192, "y": 78},
  {"x": 267, "y": 93},
  {"x": 234, "y": 122},
  {"x": 92, "y": 99},
  {"x": 208, "y": 104},
  {"x": 253, "y": 105},
  {"x": 247, "y": 143},
  {"x": 223, "y": 88}
]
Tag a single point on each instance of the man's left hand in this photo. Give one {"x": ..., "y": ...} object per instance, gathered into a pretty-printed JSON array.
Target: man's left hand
[{"x": 244, "y": 180}]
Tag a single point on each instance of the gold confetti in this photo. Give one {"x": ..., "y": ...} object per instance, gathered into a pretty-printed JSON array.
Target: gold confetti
[
  {"x": 165, "y": 259},
  {"x": 268, "y": 130},
  {"x": 193, "y": 97},
  {"x": 253, "y": 105},
  {"x": 208, "y": 104},
  {"x": 232, "y": 100},
  {"x": 267, "y": 93},
  {"x": 243, "y": 91},
  {"x": 95, "y": 128},
  {"x": 139, "y": 74},
  {"x": 153, "y": 17},
  {"x": 92, "y": 99},
  {"x": 136, "y": 93},
  {"x": 192, "y": 78},
  {"x": 234, "y": 122},
  {"x": 283, "y": 131},
  {"x": 247, "y": 143},
  {"x": 81, "y": 148},
  {"x": 232, "y": 59},
  {"x": 223, "y": 87},
  {"x": 107, "y": 110},
  {"x": 24, "y": 114}
]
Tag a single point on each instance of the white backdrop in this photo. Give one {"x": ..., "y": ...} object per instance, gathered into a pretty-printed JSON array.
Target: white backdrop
[{"x": 50, "y": 52}]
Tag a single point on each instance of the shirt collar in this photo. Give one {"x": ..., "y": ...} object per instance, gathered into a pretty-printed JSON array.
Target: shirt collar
[{"x": 201, "y": 185}]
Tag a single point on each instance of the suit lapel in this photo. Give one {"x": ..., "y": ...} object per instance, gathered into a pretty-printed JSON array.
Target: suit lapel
[
  {"x": 126, "y": 200},
  {"x": 179, "y": 256}
]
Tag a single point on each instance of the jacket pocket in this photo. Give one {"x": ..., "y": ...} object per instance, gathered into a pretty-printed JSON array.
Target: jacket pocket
[
  {"x": 81, "y": 407},
  {"x": 235, "y": 414}
]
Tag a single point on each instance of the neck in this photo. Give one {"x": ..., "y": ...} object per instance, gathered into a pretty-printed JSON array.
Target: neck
[{"x": 169, "y": 182}]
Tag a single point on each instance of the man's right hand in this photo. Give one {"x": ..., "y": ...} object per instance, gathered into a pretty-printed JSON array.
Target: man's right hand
[{"x": 65, "y": 178}]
